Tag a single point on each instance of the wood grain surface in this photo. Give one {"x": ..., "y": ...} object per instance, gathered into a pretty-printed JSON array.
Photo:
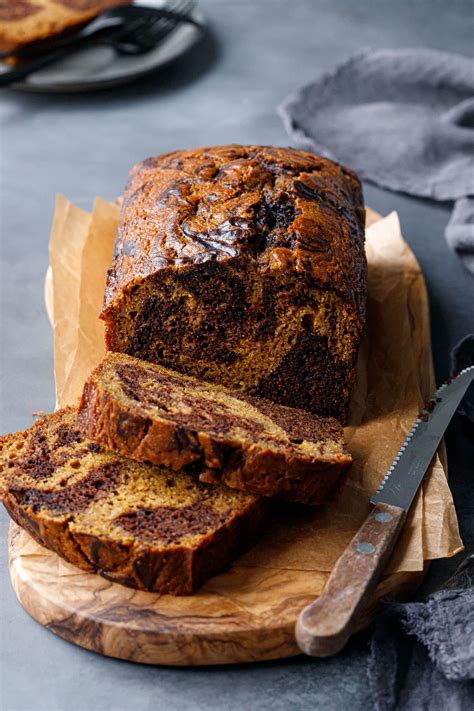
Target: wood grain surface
[{"x": 246, "y": 614}]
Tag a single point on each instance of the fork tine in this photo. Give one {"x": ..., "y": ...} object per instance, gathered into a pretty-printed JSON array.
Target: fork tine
[
  {"x": 157, "y": 28},
  {"x": 180, "y": 7},
  {"x": 152, "y": 30}
]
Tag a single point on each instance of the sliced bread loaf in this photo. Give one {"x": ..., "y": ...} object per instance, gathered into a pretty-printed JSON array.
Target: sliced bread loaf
[
  {"x": 243, "y": 266},
  {"x": 135, "y": 524},
  {"x": 153, "y": 414}
]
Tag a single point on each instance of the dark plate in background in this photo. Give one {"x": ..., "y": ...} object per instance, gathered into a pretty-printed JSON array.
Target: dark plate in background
[{"x": 100, "y": 67}]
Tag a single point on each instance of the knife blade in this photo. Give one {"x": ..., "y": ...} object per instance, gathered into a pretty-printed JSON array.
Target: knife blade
[
  {"x": 324, "y": 626},
  {"x": 400, "y": 484}
]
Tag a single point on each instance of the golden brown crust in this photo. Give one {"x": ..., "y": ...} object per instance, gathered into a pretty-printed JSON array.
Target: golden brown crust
[
  {"x": 23, "y": 22},
  {"x": 264, "y": 463},
  {"x": 243, "y": 266},
  {"x": 77, "y": 499},
  {"x": 286, "y": 208},
  {"x": 53, "y": 534}
]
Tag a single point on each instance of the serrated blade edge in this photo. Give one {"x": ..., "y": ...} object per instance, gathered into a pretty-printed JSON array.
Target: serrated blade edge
[{"x": 400, "y": 484}]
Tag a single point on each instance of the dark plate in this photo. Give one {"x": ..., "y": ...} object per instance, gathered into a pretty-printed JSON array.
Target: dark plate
[{"x": 99, "y": 67}]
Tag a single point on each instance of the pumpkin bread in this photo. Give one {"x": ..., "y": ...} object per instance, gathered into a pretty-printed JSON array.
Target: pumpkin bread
[
  {"x": 243, "y": 266},
  {"x": 149, "y": 413},
  {"x": 136, "y": 524}
]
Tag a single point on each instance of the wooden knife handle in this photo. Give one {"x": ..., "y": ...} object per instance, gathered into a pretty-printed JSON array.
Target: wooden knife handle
[{"x": 324, "y": 626}]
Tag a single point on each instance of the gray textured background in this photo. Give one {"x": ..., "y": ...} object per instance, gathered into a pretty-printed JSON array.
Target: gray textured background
[{"x": 83, "y": 146}]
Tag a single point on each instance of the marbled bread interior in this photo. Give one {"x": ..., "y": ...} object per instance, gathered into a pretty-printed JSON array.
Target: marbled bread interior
[
  {"x": 243, "y": 266},
  {"x": 150, "y": 413},
  {"x": 136, "y": 524}
]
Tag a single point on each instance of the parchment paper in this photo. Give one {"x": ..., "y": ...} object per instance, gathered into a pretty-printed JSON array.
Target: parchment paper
[{"x": 394, "y": 378}]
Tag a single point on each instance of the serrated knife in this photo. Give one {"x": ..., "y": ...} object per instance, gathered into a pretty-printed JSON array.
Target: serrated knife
[{"x": 324, "y": 626}]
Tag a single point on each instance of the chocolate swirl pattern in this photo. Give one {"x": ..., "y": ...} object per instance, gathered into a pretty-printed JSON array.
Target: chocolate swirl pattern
[{"x": 243, "y": 266}]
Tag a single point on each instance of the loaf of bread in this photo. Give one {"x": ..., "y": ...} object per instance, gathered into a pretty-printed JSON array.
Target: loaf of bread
[
  {"x": 24, "y": 22},
  {"x": 136, "y": 524},
  {"x": 243, "y": 266},
  {"x": 153, "y": 414}
]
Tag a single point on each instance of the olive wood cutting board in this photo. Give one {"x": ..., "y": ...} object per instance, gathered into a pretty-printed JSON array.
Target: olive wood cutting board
[{"x": 246, "y": 614}]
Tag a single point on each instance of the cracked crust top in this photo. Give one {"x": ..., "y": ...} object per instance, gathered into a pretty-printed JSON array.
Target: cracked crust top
[{"x": 286, "y": 208}]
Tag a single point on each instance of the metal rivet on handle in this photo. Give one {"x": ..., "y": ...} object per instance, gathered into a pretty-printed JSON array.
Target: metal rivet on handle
[
  {"x": 383, "y": 517},
  {"x": 365, "y": 548}
]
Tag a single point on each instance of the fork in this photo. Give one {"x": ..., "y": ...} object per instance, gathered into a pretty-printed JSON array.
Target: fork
[{"x": 147, "y": 36}]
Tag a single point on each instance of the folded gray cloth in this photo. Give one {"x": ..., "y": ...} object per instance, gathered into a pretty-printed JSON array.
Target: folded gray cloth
[
  {"x": 422, "y": 654},
  {"x": 460, "y": 230},
  {"x": 401, "y": 118}
]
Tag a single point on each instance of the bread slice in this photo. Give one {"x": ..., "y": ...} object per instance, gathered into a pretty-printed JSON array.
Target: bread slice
[
  {"x": 153, "y": 414},
  {"x": 24, "y": 22},
  {"x": 133, "y": 523}
]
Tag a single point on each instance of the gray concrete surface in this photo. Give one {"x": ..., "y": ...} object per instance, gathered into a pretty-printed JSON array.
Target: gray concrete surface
[{"x": 83, "y": 146}]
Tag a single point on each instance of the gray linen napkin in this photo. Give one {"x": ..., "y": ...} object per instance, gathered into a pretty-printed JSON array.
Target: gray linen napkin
[
  {"x": 422, "y": 654},
  {"x": 401, "y": 118}
]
